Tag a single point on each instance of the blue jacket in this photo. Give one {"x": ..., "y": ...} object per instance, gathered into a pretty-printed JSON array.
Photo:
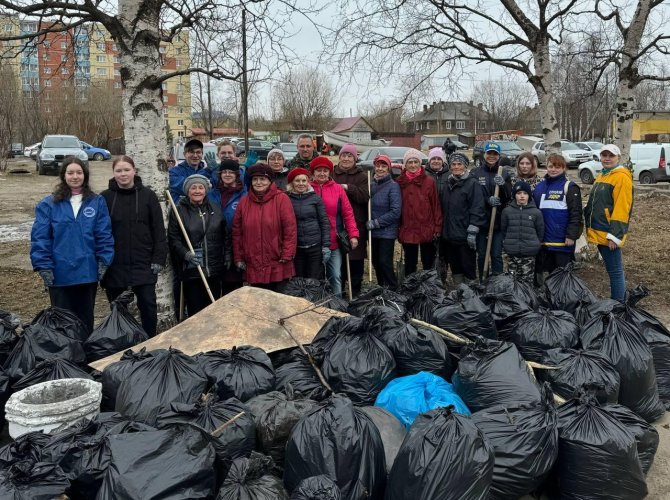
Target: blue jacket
[
  {"x": 562, "y": 212},
  {"x": 386, "y": 207},
  {"x": 178, "y": 174},
  {"x": 71, "y": 247},
  {"x": 229, "y": 210}
]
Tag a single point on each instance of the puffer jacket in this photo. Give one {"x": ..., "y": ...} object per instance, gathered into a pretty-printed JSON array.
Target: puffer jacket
[
  {"x": 440, "y": 178},
  {"x": 139, "y": 235},
  {"x": 206, "y": 229},
  {"x": 311, "y": 219},
  {"x": 484, "y": 175},
  {"x": 71, "y": 246},
  {"x": 281, "y": 178},
  {"x": 609, "y": 207},
  {"x": 178, "y": 174},
  {"x": 359, "y": 195},
  {"x": 522, "y": 228},
  {"x": 462, "y": 206},
  {"x": 265, "y": 233},
  {"x": 333, "y": 196},
  {"x": 421, "y": 213},
  {"x": 386, "y": 207}
]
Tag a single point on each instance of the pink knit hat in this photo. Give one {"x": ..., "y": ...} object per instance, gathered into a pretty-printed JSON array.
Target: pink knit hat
[
  {"x": 410, "y": 153},
  {"x": 349, "y": 148},
  {"x": 437, "y": 153}
]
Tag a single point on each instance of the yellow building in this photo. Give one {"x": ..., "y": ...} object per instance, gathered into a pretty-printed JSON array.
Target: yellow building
[
  {"x": 177, "y": 90},
  {"x": 649, "y": 125},
  {"x": 10, "y": 49}
]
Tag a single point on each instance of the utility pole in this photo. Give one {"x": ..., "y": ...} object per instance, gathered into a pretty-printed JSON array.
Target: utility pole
[{"x": 245, "y": 84}]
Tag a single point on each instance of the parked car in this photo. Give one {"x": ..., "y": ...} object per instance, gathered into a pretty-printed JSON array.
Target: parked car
[
  {"x": 593, "y": 147},
  {"x": 289, "y": 149},
  {"x": 573, "y": 154},
  {"x": 396, "y": 153},
  {"x": 176, "y": 153},
  {"x": 459, "y": 144},
  {"x": 650, "y": 164},
  {"x": 509, "y": 151},
  {"x": 54, "y": 149},
  {"x": 31, "y": 151},
  {"x": 262, "y": 148},
  {"x": 15, "y": 149},
  {"x": 97, "y": 154}
]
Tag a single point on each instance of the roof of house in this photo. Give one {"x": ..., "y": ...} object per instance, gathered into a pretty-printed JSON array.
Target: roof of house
[
  {"x": 450, "y": 110},
  {"x": 219, "y": 131},
  {"x": 347, "y": 124}
]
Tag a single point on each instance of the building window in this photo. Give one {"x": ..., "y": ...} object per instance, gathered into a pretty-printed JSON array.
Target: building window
[
  {"x": 117, "y": 85},
  {"x": 482, "y": 124},
  {"x": 65, "y": 71},
  {"x": 63, "y": 58},
  {"x": 47, "y": 83},
  {"x": 165, "y": 98},
  {"x": 181, "y": 111},
  {"x": 164, "y": 86},
  {"x": 460, "y": 125},
  {"x": 165, "y": 111},
  {"x": 64, "y": 84},
  {"x": 100, "y": 59},
  {"x": 100, "y": 46},
  {"x": 181, "y": 123},
  {"x": 45, "y": 56},
  {"x": 427, "y": 125},
  {"x": 47, "y": 71},
  {"x": 115, "y": 47},
  {"x": 63, "y": 45},
  {"x": 101, "y": 71},
  {"x": 115, "y": 59},
  {"x": 447, "y": 124},
  {"x": 177, "y": 64},
  {"x": 180, "y": 133},
  {"x": 117, "y": 72},
  {"x": 180, "y": 99},
  {"x": 46, "y": 44},
  {"x": 7, "y": 28},
  {"x": 162, "y": 49}
]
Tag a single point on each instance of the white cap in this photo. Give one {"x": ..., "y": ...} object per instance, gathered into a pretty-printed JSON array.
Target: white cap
[{"x": 612, "y": 148}]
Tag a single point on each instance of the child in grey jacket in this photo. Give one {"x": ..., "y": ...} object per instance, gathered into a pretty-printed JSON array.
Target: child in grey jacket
[{"x": 522, "y": 227}]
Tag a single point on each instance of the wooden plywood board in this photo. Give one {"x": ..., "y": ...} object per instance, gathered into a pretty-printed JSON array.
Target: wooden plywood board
[{"x": 247, "y": 316}]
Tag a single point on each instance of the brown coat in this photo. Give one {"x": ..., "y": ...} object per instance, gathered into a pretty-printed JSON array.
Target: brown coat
[{"x": 358, "y": 195}]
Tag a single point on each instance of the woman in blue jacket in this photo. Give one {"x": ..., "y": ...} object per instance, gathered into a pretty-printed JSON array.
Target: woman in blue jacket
[
  {"x": 386, "y": 210},
  {"x": 71, "y": 244}
]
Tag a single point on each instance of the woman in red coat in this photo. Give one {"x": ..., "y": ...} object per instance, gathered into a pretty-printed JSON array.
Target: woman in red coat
[
  {"x": 421, "y": 218},
  {"x": 339, "y": 213},
  {"x": 264, "y": 231}
]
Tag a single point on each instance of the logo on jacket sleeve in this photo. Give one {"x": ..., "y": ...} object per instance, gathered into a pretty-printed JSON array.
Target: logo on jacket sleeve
[{"x": 89, "y": 212}]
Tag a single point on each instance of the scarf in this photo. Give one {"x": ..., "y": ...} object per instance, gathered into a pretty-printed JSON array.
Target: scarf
[
  {"x": 227, "y": 194},
  {"x": 606, "y": 171},
  {"x": 412, "y": 176}
]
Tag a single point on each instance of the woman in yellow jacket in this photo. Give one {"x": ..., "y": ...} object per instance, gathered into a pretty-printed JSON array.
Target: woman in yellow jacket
[{"x": 607, "y": 215}]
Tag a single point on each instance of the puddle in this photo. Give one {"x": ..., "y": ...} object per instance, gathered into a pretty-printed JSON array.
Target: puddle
[{"x": 15, "y": 232}]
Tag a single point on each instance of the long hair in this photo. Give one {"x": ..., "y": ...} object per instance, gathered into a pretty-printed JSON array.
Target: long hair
[
  {"x": 62, "y": 190},
  {"x": 529, "y": 157}
]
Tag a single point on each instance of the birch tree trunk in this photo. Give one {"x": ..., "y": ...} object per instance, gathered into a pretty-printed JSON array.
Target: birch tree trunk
[{"x": 542, "y": 82}]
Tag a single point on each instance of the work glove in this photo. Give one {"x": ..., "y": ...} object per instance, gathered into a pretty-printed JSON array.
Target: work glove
[
  {"x": 227, "y": 262},
  {"x": 102, "y": 269},
  {"x": 494, "y": 201},
  {"x": 193, "y": 259},
  {"x": 499, "y": 180},
  {"x": 372, "y": 224},
  {"x": 47, "y": 276},
  {"x": 210, "y": 159},
  {"x": 325, "y": 252},
  {"x": 157, "y": 269},
  {"x": 472, "y": 236},
  {"x": 241, "y": 266}
]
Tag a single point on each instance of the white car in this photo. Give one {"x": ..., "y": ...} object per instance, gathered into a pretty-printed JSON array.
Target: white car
[
  {"x": 31, "y": 151},
  {"x": 651, "y": 164},
  {"x": 573, "y": 154},
  {"x": 592, "y": 146}
]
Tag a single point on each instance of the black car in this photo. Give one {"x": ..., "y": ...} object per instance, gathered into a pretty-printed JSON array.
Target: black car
[
  {"x": 509, "y": 151},
  {"x": 396, "y": 153},
  {"x": 262, "y": 148}
]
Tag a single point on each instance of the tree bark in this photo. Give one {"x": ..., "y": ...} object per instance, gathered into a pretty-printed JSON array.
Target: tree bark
[{"x": 541, "y": 82}]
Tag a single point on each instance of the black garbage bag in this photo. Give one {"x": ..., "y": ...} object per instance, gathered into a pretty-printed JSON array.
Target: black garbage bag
[
  {"x": 492, "y": 373},
  {"x": 376, "y": 297},
  {"x": 315, "y": 291},
  {"x": 25, "y": 447},
  {"x": 241, "y": 372},
  {"x": 566, "y": 291},
  {"x": 391, "y": 430},
  {"x": 168, "y": 377},
  {"x": 597, "y": 454},
  {"x": 63, "y": 321},
  {"x": 334, "y": 328},
  {"x": 33, "y": 480},
  {"x": 646, "y": 436},
  {"x": 464, "y": 314},
  {"x": 51, "y": 369},
  {"x": 5, "y": 392},
  {"x": 524, "y": 437},
  {"x": 506, "y": 309},
  {"x": 624, "y": 345},
  {"x": 235, "y": 441},
  {"x": 174, "y": 463},
  {"x": 119, "y": 331},
  {"x": 251, "y": 478},
  {"x": 317, "y": 488},
  {"x": 537, "y": 331},
  {"x": 443, "y": 456},
  {"x": 421, "y": 305},
  {"x": 581, "y": 312},
  {"x": 522, "y": 291},
  {"x": 300, "y": 375},
  {"x": 275, "y": 422},
  {"x": 356, "y": 362},
  {"x": 415, "y": 348},
  {"x": 340, "y": 441},
  {"x": 8, "y": 337},
  {"x": 115, "y": 373},
  {"x": 577, "y": 369},
  {"x": 40, "y": 343},
  {"x": 421, "y": 282}
]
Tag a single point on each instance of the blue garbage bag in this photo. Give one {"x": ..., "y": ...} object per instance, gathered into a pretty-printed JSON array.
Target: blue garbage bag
[{"x": 408, "y": 397}]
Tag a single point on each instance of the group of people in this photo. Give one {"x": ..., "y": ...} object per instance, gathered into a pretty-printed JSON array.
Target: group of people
[{"x": 267, "y": 222}]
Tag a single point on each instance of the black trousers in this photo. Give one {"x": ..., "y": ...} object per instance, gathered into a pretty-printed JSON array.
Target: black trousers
[
  {"x": 382, "y": 261},
  {"x": 460, "y": 258},
  {"x": 357, "y": 268},
  {"x": 547, "y": 261},
  {"x": 195, "y": 293},
  {"x": 308, "y": 262},
  {"x": 146, "y": 303},
  {"x": 80, "y": 299},
  {"x": 412, "y": 256},
  {"x": 275, "y": 286}
]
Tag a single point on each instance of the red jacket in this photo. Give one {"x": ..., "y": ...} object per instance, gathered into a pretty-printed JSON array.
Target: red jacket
[
  {"x": 421, "y": 215},
  {"x": 265, "y": 232},
  {"x": 330, "y": 193}
]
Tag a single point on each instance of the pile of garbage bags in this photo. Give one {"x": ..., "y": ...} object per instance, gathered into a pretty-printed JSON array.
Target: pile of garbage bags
[{"x": 491, "y": 391}]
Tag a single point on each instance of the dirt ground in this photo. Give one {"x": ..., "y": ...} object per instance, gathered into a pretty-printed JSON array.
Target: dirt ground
[{"x": 646, "y": 262}]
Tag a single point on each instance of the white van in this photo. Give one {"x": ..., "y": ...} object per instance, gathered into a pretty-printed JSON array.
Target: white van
[{"x": 650, "y": 161}]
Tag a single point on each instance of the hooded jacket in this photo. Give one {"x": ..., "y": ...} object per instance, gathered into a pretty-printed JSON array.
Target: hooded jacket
[
  {"x": 139, "y": 235},
  {"x": 522, "y": 228},
  {"x": 560, "y": 201},
  {"x": 358, "y": 195},
  {"x": 484, "y": 175},
  {"x": 421, "y": 213},
  {"x": 311, "y": 219},
  {"x": 334, "y": 197},
  {"x": 609, "y": 207},
  {"x": 265, "y": 232},
  {"x": 440, "y": 178},
  {"x": 178, "y": 174},
  {"x": 462, "y": 205},
  {"x": 71, "y": 246},
  {"x": 386, "y": 207},
  {"x": 281, "y": 178}
]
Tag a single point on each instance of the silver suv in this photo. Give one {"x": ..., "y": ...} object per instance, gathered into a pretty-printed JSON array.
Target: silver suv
[
  {"x": 573, "y": 154},
  {"x": 54, "y": 149}
]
